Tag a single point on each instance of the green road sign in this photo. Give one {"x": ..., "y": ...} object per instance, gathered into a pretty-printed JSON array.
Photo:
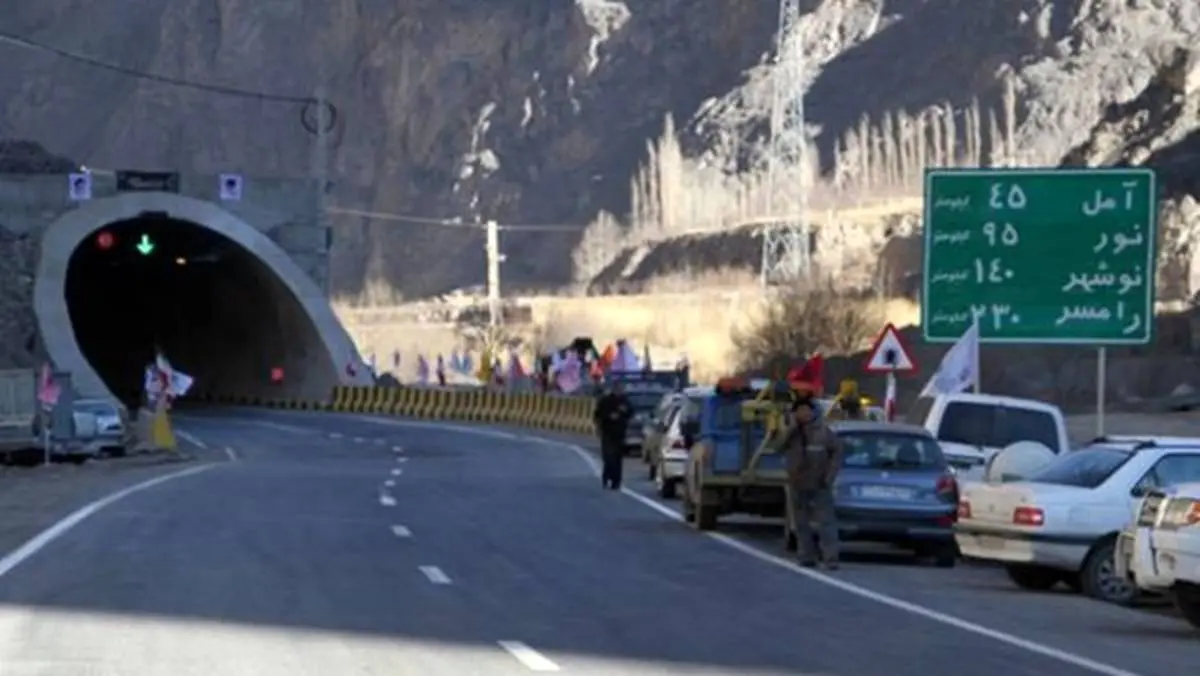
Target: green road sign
[
  {"x": 145, "y": 246},
  {"x": 1040, "y": 255}
]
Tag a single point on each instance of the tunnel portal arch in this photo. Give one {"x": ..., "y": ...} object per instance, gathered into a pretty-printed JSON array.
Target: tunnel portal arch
[{"x": 71, "y": 230}]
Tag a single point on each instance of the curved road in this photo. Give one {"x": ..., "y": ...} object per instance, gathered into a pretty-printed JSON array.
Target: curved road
[{"x": 346, "y": 545}]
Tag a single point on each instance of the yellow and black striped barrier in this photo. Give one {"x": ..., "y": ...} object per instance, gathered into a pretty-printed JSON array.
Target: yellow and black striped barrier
[{"x": 572, "y": 414}]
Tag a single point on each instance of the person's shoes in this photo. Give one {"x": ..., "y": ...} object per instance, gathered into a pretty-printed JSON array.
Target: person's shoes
[
  {"x": 616, "y": 487},
  {"x": 808, "y": 563},
  {"x": 830, "y": 564}
]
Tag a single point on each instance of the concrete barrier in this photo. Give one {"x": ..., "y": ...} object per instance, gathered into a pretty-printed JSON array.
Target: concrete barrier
[{"x": 562, "y": 413}]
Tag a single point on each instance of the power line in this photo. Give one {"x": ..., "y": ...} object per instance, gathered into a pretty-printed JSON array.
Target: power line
[
  {"x": 152, "y": 77},
  {"x": 452, "y": 222}
]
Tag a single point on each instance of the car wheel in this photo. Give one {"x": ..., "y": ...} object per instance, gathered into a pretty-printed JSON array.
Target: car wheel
[
  {"x": 1034, "y": 578},
  {"x": 943, "y": 555},
  {"x": 1187, "y": 600},
  {"x": 1099, "y": 578}
]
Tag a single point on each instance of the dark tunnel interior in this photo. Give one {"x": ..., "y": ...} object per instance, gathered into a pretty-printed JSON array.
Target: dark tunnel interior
[{"x": 215, "y": 310}]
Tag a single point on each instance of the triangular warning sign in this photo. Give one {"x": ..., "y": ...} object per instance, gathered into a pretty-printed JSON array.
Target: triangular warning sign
[{"x": 889, "y": 354}]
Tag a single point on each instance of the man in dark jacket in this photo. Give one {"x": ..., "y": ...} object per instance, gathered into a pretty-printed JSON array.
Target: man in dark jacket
[
  {"x": 612, "y": 415},
  {"x": 813, "y": 456}
]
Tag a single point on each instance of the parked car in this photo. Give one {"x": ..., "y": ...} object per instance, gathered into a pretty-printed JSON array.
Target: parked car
[
  {"x": 1062, "y": 524},
  {"x": 101, "y": 426},
  {"x": 894, "y": 487},
  {"x": 1160, "y": 551},
  {"x": 669, "y": 464}
]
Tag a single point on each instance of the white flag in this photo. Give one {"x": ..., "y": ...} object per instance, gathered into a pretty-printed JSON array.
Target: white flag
[{"x": 959, "y": 369}]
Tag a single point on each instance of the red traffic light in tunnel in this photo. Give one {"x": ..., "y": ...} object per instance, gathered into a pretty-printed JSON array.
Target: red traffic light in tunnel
[
  {"x": 277, "y": 375},
  {"x": 105, "y": 240}
]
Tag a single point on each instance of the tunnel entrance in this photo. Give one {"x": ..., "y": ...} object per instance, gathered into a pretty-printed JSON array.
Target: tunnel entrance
[{"x": 214, "y": 309}]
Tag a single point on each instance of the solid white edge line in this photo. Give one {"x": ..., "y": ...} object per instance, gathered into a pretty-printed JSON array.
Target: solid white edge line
[
  {"x": 435, "y": 574},
  {"x": 191, "y": 439},
  {"x": 401, "y": 531},
  {"x": 530, "y": 658},
  {"x": 816, "y": 576},
  {"x": 61, "y": 527}
]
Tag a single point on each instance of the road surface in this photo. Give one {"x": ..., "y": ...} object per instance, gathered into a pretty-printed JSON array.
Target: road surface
[{"x": 343, "y": 545}]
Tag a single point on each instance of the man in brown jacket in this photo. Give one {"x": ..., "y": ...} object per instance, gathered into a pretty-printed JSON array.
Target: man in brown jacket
[{"x": 813, "y": 457}]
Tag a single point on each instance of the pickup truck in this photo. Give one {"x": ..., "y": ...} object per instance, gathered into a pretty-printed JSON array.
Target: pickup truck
[
  {"x": 973, "y": 428},
  {"x": 18, "y": 411}
]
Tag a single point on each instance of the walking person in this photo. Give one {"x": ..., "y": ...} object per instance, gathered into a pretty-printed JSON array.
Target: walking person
[
  {"x": 813, "y": 456},
  {"x": 612, "y": 414}
]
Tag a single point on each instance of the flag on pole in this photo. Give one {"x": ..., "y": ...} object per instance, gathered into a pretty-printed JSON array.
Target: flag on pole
[
  {"x": 889, "y": 399},
  {"x": 422, "y": 370},
  {"x": 959, "y": 368}
]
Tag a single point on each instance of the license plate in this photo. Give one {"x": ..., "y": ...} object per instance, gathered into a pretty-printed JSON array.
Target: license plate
[
  {"x": 884, "y": 493},
  {"x": 990, "y": 542}
]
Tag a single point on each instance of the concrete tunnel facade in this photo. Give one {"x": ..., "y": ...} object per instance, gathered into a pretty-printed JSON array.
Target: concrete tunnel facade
[{"x": 313, "y": 347}]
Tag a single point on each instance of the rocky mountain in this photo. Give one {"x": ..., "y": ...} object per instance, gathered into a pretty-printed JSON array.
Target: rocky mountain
[{"x": 539, "y": 111}]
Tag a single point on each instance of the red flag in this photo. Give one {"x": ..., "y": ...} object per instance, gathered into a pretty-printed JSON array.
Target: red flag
[{"x": 811, "y": 372}]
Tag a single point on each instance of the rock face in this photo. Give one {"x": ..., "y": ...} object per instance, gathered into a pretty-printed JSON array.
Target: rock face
[{"x": 535, "y": 111}]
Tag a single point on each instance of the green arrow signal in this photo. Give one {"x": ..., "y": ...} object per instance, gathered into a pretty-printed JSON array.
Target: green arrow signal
[{"x": 145, "y": 246}]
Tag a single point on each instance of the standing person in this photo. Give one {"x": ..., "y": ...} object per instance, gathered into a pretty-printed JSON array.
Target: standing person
[
  {"x": 813, "y": 457},
  {"x": 612, "y": 414},
  {"x": 848, "y": 405}
]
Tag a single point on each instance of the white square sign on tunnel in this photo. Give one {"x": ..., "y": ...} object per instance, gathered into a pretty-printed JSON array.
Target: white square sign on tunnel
[
  {"x": 230, "y": 187},
  {"x": 79, "y": 187}
]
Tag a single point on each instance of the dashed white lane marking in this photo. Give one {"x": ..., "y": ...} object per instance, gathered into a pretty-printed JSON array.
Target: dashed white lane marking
[
  {"x": 191, "y": 439},
  {"x": 402, "y": 459},
  {"x": 816, "y": 576},
  {"x": 387, "y": 500},
  {"x": 335, "y": 435},
  {"x": 41, "y": 540},
  {"x": 389, "y": 483},
  {"x": 398, "y": 449},
  {"x": 435, "y": 574},
  {"x": 532, "y": 659},
  {"x": 359, "y": 440},
  {"x": 397, "y": 472},
  {"x": 401, "y": 532},
  {"x": 380, "y": 442},
  {"x": 231, "y": 454}
]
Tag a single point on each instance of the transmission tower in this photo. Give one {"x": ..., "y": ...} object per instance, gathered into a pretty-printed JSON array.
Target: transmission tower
[{"x": 786, "y": 256}]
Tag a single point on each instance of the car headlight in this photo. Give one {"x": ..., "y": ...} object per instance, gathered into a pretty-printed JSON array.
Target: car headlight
[{"x": 1182, "y": 512}]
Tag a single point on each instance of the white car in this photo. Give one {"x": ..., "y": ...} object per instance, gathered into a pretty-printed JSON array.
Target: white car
[
  {"x": 1160, "y": 552},
  {"x": 670, "y": 460},
  {"x": 1062, "y": 524}
]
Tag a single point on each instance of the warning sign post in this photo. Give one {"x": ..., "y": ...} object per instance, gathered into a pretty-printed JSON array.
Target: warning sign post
[{"x": 889, "y": 355}]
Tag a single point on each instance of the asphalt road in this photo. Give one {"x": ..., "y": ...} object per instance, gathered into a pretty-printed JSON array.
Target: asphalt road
[{"x": 341, "y": 545}]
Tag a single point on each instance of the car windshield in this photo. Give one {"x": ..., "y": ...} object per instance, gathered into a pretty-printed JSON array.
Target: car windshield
[
  {"x": 995, "y": 426},
  {"x": 890, "y": 450},
  {"x": 644, "y": 401},
  {"x": 1086, "y": 468}
]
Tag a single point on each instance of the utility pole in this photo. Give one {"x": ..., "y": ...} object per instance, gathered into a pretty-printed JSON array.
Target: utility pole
[
  {"x": 494, "y": 258},
  {"x": 785, "y": 254}
]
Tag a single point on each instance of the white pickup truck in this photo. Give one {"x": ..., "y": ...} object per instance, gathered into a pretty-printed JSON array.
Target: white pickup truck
[{"x": 972, "y": 428}]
